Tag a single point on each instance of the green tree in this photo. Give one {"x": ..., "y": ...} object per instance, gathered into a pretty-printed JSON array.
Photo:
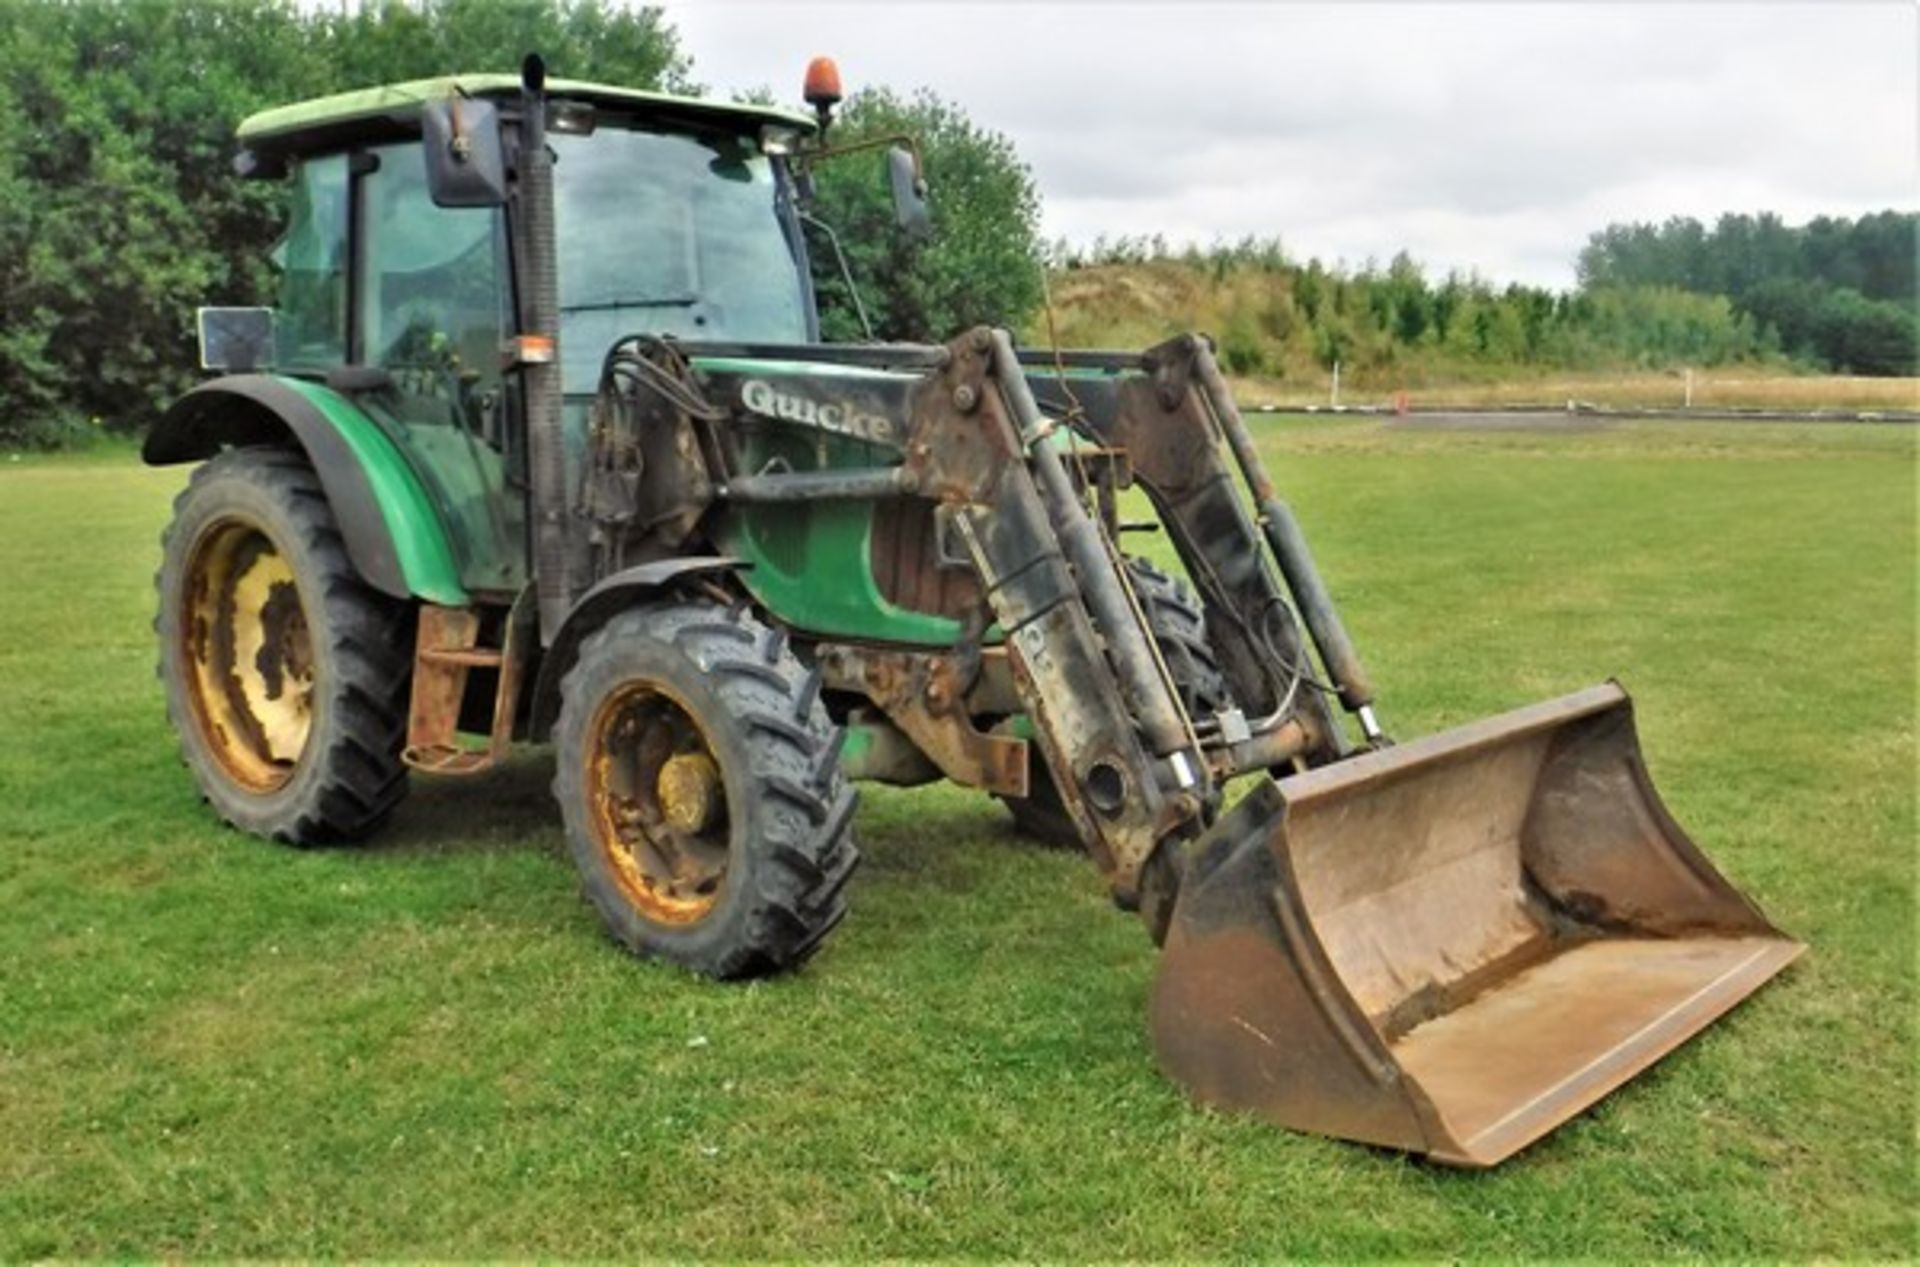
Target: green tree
[
  {"x": 1837, "y": 291},
  {"x": 120, "y": 208},
  {"x": 119, "y": 211},
  {"x": 578, "y": 39},
  {"x": 1866, "y": 336},
  {"x": 1240, "y": 348},
  {"x": 981, "y": 262}
]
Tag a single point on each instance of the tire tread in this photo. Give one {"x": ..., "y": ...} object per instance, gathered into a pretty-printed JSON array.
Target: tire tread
[
  {"x": 800, "y": 836},
  {"x": 361, "y": 777}
]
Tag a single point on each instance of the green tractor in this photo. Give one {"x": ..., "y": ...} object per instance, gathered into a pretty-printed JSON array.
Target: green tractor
[{"x": 540, "y": 444}]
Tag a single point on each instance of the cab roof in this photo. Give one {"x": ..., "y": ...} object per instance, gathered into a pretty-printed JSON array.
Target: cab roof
[{"x": 373, "y": 111}]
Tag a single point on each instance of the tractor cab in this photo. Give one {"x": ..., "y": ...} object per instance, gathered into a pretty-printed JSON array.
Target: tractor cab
[
  {"x": 402, "y": 280},
  {"x": 672, "y": 217}
]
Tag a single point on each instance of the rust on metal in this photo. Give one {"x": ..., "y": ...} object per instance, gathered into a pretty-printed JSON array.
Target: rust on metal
[
  {"x": 909, "y": 566},
  {"x": 1452, "y": 946},
  {"x": 249, "y": 652},
  {"x": 447, "y": 651},
  {"x": 689, "y": 792},
  {"x": 925, "y": 694},
  {"x": 444, "y": 650},
  {"x": 1264, "y": 751},
  {"x": 969, "y": 451},
  {"x": 657, "y": 804}
]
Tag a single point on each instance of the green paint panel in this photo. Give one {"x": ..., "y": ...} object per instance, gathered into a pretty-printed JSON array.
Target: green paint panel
[
  {"x": 466, "y": 480},
  {"x": 811, "y": 567},
  {"x": 419, "y": 538},
  {"x": 811, "y": 563}
]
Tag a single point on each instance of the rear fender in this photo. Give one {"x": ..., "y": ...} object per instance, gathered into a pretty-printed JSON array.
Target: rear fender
[
  {"x": 612, "y": 595},
  {"x": 393, "y": 534}
]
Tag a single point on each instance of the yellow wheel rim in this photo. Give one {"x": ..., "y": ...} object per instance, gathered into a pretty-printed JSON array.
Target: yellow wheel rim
[
  {"x": 248, "y": 654},
  {"x": 656, "y": 804}
]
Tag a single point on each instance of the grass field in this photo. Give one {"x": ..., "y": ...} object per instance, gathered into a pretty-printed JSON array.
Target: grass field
[{"x": 214, "y": 1047}]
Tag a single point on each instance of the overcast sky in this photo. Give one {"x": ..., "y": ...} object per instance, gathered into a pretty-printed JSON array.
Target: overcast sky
[{"x": 1491, "y": 137}]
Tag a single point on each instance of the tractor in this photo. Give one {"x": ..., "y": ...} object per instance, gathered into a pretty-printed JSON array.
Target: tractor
[{"x": 540, "y": 444}]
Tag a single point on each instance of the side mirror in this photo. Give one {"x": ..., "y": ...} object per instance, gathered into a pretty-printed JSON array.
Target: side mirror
[
  {"x": 909, "y": 193},
  {"x": 235, "y": 339},
  {"x": 466, "y": 166},
  {"x": 253, "y": 165}
]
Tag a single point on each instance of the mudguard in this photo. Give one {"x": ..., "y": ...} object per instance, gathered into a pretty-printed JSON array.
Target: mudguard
[
  {"x": 393, "y": 534},
  {"x": 611, "y": 595}
]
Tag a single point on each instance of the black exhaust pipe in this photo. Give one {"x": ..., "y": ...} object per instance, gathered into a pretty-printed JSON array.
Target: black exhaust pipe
[{"x": 539, "y": 280}]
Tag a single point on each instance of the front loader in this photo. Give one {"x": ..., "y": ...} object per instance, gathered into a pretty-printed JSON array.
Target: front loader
[{"x": 541, "y": 445}]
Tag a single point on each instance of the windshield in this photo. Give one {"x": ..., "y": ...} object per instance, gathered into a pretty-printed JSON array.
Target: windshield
[{"x": 668, "y": 233}]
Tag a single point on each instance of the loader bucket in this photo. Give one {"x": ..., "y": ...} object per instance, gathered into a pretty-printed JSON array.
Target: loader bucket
[{"x": 1452, "y": 946}]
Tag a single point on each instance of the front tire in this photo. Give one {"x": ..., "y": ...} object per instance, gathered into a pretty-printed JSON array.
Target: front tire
[
  {"x": 285, "y": 675},
  {"x": 699, "y": 777}
]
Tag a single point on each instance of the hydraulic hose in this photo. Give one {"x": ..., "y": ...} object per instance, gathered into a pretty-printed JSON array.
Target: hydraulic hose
[{"x": 1153, "y": 699}]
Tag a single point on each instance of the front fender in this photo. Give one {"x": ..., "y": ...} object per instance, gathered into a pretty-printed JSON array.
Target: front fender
[
  {"x": 610, "y": 596},
  {"x": 393, "y": 534}
]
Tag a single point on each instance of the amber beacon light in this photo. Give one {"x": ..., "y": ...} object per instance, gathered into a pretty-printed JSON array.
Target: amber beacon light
[{"x": 822, "y": 88}]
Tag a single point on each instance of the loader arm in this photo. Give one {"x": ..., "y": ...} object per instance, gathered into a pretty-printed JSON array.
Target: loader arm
[
  {"x": 1169, "y": 411},
  {"x": 1449, "y": 946},
  {"x": 1105, "y": 716}
]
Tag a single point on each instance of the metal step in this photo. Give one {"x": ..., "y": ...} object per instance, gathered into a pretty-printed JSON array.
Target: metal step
[
  {"x": 441, "y": 759},
  {"x": 462, "y": 657},
  {"x": 447, "y": 650}
]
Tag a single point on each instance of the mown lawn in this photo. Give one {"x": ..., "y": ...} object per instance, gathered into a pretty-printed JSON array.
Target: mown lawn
[{"x": 424, "y": 1047}]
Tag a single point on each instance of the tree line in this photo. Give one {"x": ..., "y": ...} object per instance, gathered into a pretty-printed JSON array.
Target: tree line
[
  {"x": 1835, "y": 291},
  {"x": 1391, "y": 325}
]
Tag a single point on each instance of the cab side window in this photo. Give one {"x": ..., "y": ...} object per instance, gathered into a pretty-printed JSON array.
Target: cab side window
[
  {"x": 433, "y": 290},
  {"x": 310, "y": 326}
]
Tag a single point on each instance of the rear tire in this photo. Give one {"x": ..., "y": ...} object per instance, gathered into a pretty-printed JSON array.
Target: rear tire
[
  {"x": 1179, "y": 626},
  {"x": 285, "y": 675},
  {"x": 699, "y": 777}
]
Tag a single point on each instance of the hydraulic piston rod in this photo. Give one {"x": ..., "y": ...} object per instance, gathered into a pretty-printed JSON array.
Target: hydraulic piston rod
[
  {"x": 1150, "y": 695},
  {"x": 1289, "y": 546}
]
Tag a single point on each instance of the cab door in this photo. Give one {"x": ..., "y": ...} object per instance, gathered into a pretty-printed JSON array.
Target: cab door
[{"x": 432, "y": 304}]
